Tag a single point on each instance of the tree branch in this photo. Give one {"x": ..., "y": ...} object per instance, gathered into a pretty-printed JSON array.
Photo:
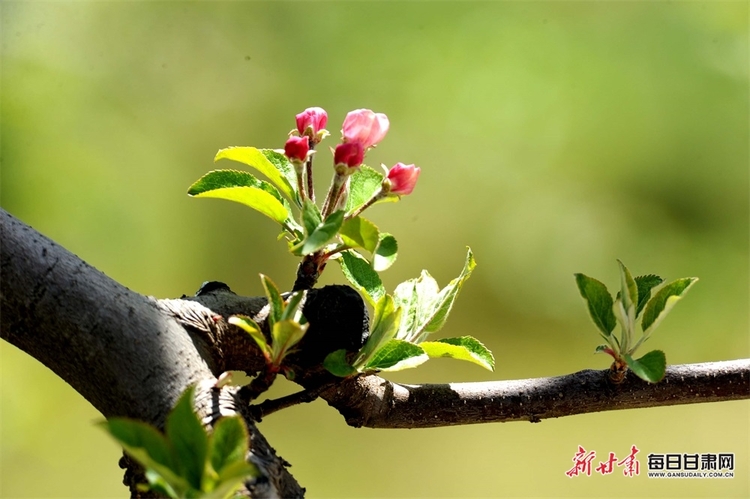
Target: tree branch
[
  {"x": 131, "y": 355},
  {"x": 122, "y": 351},
  {"x": 377, "y": 403}
]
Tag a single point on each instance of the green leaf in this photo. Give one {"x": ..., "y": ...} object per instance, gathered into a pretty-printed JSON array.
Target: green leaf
[
  {"x": 384, "y": 327},
  {"x": 148, "y": 446},
  {"x": 426, "y": 307},
  {"x": 645, "y": 284},
  {"x": 275, "y": 302},
  {"x": 397, "y": 355},
  {"x": 360, "y": 274},
  {"x": 651, "y": 367},
  {"x": 323, "y": 233},
  {"x": 284, "y": 166},
  {"x": 285, "y": 335},
  {"x": 251, "y": 327},
  {"x": 231, "y": 478},
  {"x": 629, "y": 293},
  {"x": 311, "y": 217},
  {"x": 229, "y": 443},
  {"x": 294, "y": 305},
  {"x": 599, "y": 303},
  {"x": 244, "y": 188},
  {"x": 385, "y": 253},
  {"x": 659, "y": 306},
  {"x": 188, "y": 438},
  {"x": 440, "y": 308},
  {"x": 363, "y": 184},
  {"x": 461, "y": 348},
  {"x": 336, "y": 364},
  {"x": 358, "y": 232},
  {"x": 158, "y": 484},
  {"x": 259, "y": 160}
]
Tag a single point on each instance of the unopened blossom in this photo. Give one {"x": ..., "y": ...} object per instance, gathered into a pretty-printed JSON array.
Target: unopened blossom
[
  {"x": 401, "y": 179},
  {"x": 350, "y": 154},
  {"x": 296, "y": 149},
  {"x": 365, "y": 127},
  {"x": 311, "y": 121}
]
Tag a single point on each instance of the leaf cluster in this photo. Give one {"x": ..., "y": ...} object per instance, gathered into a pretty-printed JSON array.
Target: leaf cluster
[
  {"x": 186, "y": 461},
  {"x": 402, "y": 322},
  {"x": 633, "y": 301}
]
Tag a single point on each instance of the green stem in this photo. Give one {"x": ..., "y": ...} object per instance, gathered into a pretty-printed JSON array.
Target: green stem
[
  {"x": 375, "y": 197},
  {"x": 308, "y": 168}
]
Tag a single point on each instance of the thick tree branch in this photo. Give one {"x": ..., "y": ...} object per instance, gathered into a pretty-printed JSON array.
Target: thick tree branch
[
  {"x": 377, "y": 403},
  {"x": 122, "y": 351},
  {"x": 131, "y": 355}
]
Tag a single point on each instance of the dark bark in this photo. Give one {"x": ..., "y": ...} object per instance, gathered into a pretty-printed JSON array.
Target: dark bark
[
  {"x": 122, "y": 351},
  {"x": 132, "y": 355},
  {"x": 377, "y": 403}
]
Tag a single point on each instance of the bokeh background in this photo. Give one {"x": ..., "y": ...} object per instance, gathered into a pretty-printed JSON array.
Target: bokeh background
[{"x": 553, "y": 138}]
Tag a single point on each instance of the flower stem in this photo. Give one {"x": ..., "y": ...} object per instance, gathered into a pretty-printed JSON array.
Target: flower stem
[
  {"x": 379, "y": 194},
  {"x": 308, "y": 168},
  {"x": 333, "y": 194}
]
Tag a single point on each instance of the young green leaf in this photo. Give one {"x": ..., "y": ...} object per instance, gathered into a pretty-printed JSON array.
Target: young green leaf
[
  {"x": 323, "y": 233},
  {"x": 158, "y": 484},
  {"x": 228, "y": 443},
  {"x": 363, "y": 184},
  {"x": 231, "y": 478},
  {"x": 360, "y": 274},
  {"x": 397, "y": 355},
  {"x": 251, "y": 327},
  {"x": 651, "y": 367},
  {"x": 645, "y": 284},
  {"x": 285, "y": 335},
  {"x": 256, "y": 158},
  {"x": 149, "y": 447},
  {"x": 385, "y": 252},
  {"x": 629, "y": 293},
  {"x": 275, "y": 302},
  {"x": 599, "y": 302},
  {"x": 336, "y": 364},
  {"x": 385, "y": 324},
  {"x": 358, "y": 232},
  {"x": 461, "y": 348},
  {"x": 311, "y": 217},
  {"x": 433, "y": 317},
  {"x": 407, "y": 298},
  {"x": 293, "y": 308},
  {"x": 284, "y": 166},
  {"x": 244, "y": 188},
  {"x": 659, "y": 306},
  {"x": 186, "y": 434}
]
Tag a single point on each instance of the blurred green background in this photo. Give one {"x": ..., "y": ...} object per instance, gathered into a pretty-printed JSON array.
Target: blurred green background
[{"x": 553, "y": 138}]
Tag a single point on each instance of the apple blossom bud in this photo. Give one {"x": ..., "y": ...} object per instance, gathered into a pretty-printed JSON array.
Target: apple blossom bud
[
  {"x": 401, "y": 179},
  {"x": 296, "y": 149},
  {"x": 350, "y": 154},
  {"x": 311, "y": 121},
  {"x": 365, "y": 127}
]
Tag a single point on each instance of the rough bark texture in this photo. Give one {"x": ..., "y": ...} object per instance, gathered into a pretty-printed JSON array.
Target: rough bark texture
[
  {"x": 376, "y": 403},
  {"x": 122, "y": 351},
  {"x": 132, "y": 355}
]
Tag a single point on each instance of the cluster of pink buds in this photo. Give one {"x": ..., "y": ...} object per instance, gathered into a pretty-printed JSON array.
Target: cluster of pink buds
[{"x": 362, "y": 130}]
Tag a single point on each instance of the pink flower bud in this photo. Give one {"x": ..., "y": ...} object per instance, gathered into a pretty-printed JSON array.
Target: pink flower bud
[
  {"x": 296, "y": 149},
  {"x": 365, "y": 127},
  {"x": 402, "y": 179},
  {"x": 350, "y": 154},
  {"x": 313, "y": 118}
]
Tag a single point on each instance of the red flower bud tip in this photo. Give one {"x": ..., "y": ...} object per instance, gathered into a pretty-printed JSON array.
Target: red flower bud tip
[
  {"x": 296, "y": 149},
  {"x": 350, "y": 154},
  {"x": 312, "y": 118},
  {"x": 402, "y": 179},
  {"x": 365, "y": 127}
]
